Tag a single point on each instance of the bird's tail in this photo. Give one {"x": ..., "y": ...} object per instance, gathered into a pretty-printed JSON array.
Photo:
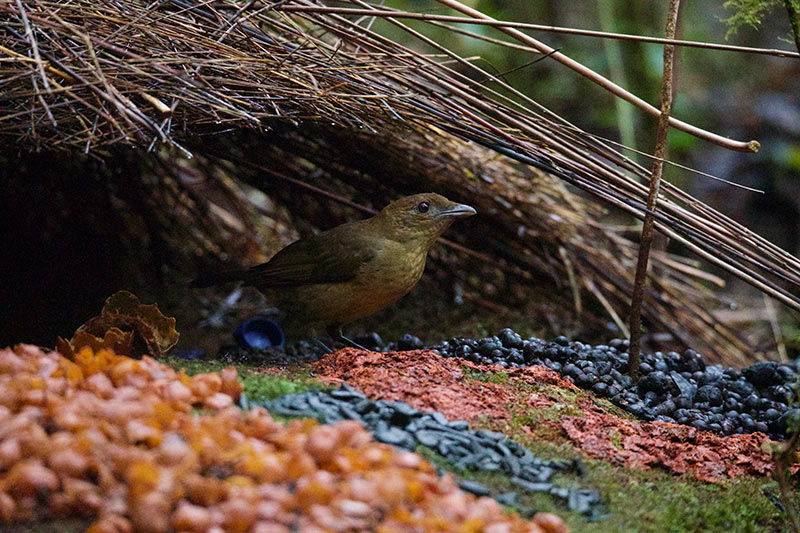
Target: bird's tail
[{"x": 209, "y": 279}]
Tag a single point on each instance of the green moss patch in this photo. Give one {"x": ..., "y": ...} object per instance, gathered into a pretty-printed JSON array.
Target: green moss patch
[
  {"x": 258, "y": 385},
  {"x": 498, "y": 378}
]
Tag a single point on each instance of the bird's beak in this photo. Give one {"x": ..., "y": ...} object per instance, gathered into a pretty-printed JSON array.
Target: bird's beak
[{"x": 458, "y": 211}]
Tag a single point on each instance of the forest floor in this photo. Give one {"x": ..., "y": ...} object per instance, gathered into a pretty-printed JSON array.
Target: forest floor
[{"x": 651, "y": 476}]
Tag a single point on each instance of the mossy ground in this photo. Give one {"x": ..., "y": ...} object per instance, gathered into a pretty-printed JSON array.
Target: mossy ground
[
  {"x": 646, "y": 500},
  {"x": 636, "y": 499},
  {"x": 499, "y": 378},
  {"x": 258, "y": 385}
]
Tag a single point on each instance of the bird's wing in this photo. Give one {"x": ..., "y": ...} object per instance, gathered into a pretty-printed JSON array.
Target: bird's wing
[{"x": 332, "y": 257}]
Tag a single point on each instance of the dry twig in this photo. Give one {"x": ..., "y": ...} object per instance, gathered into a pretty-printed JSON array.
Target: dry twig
[{"x": 659, "y": 155}]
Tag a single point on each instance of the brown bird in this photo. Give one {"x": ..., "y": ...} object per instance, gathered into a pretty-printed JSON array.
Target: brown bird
[{"x": 353, "y": 270}]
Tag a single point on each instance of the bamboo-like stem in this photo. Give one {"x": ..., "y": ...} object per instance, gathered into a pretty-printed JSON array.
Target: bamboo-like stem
[
  {"x": 616, "y": 70},
  {"x": 660, "y": 154},
  {"x": 793, "y": 10},
  {"x": 739, "y": 146},
  {"x": 430, "y": 17}
]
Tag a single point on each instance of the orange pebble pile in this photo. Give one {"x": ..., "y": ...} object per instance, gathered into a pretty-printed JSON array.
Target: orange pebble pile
[{"x": 120, "y": 442}]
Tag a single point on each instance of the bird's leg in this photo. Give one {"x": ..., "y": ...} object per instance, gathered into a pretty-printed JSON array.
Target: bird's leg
[
  {"x": 335, "y": 332},
  {"x": 352, "y": 343},
  {"x": 324, "y": 346}
]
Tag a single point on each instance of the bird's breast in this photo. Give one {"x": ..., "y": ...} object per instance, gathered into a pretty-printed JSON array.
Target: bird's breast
[
  {"x": 388, "y": 276},
  {"x": 393, "y": 272}
]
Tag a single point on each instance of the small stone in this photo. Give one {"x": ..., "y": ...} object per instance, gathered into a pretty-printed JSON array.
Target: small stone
[
  {"x": 510, "y": 338},
  {"x": 686, "y": 389},
  {"x": 710, "y": 394},
  {"x": 656, "y": 381},
  {"x": 620, "y": 344},
  {"x": 427, "y": 438},
  {"x": 478, "y": 489},
  {"x": 763, "y": 374},
  {"x": 395, "y": 436},
  {"x": 693, "y": 361},
  {"x": 346, "y": 393},
  {"x": 666, "y": 408},
  {"x": 582, "y": 501},
  {"x": 532, "y": 486},
  {"x": 409, "y": 342},
  {"x": 438, "y": 418},
  {"x": 486, "y": 348},
  {"x": 405, "y": 411},
  {"x": 509, "y": 499}
]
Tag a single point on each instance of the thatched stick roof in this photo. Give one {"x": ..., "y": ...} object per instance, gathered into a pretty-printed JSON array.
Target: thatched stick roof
[{"x": 85, "y": 76}]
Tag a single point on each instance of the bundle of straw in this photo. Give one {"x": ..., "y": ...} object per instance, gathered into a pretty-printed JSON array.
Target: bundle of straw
[{"x": 341, "y": 100}]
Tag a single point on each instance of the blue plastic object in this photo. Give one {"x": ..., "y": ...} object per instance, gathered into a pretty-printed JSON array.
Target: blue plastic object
[{"x": 259, "y": 332}]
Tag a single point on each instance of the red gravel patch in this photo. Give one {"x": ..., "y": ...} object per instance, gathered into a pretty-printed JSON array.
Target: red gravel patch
[
  {"x": 425, "y": 380},
  {"x": 420, "y": 378},
  {"x": 676, "y": 447}
]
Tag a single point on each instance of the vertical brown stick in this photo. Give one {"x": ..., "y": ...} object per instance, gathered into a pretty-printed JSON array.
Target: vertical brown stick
[
  {"x": 793, "y": 9},
  {"x": 784, "y": 458},
  {"x": 655, "y": 184}
]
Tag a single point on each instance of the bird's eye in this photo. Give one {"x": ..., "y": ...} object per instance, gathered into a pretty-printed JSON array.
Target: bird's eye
[{"x": 423, "y": 207}]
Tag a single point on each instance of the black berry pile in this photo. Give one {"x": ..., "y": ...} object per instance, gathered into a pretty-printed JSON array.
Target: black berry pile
[
  {"x": 401, "y": 425},
  {"x": 678, "y": 388}
]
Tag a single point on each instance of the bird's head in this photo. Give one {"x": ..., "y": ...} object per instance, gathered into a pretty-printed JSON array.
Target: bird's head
[{"x": 422, "y": 217}]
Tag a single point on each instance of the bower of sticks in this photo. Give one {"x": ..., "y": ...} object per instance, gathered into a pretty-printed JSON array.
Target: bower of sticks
[{"x": 143, "y": 142}]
